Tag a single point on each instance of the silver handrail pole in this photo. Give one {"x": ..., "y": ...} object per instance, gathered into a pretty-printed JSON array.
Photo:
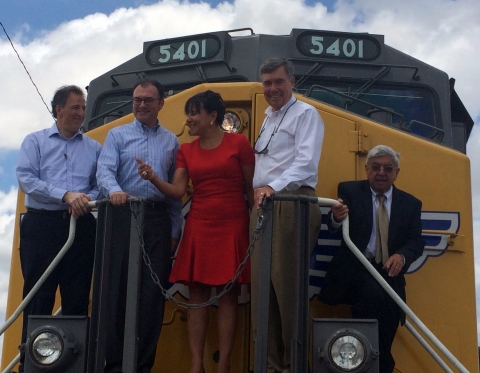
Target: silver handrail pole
[
  {"x": 50, "y": 268},
  {"x": 390, "y": 291}
]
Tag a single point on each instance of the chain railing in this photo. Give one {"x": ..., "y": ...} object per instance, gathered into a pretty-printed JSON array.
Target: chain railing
[
  {"x": 48, "y": 271},
  {"x": 254, "y": 238}
]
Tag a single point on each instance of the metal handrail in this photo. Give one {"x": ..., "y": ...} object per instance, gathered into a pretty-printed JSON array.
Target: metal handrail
[
  {"x": 451, "y": 235},
  {"x": 48, "y": 271},
  {"x": 50, "y": 268},
  {"x": 42, "y": 279},
  {"x": 16, "y": 359},
  {"x": 391, "y": 292},
  {"x": 427, "y": 347}
]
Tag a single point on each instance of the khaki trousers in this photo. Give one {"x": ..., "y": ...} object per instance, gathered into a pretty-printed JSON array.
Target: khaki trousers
[{"x": 283, "y": 277}]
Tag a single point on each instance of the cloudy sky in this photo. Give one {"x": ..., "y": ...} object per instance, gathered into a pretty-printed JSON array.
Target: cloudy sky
[{"x": 70, "y": 41}]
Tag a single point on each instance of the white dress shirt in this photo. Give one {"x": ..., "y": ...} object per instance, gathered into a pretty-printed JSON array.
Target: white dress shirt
[{"x": 294, "y": 150}]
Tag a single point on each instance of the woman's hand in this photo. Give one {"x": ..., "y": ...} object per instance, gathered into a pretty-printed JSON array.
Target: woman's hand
[{"x": 144, "y": 170}]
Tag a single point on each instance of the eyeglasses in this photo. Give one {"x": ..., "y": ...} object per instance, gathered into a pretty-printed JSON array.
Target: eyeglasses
[
  {"x": 265, "y": 149},
  {"x": 275, "y": 130},
  {"x": 137, "y": 101},
  {"x": 388, "y": 169}
]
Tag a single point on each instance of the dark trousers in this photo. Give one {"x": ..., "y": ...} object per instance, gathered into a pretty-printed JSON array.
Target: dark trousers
[
  {"x": 157, "y": 238},
  {"x": 370, "y": 301},
  {"x": 42, "y": 235}
]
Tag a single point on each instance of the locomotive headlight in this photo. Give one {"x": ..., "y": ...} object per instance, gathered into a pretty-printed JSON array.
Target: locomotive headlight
[
  {"x": 345, "y": 345},
  {"x": 56, "y": 344},
  {"x": 47, "y": 347},
  {"x": 235, "y": 120},
  {"x": 231, "y": 122},
  {"x": 347, "y": 352}
]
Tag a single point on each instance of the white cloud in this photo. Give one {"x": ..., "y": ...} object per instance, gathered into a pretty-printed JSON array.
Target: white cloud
[
  {"x": 82, "y": 49},
  {"x": 442, "y": 33}
]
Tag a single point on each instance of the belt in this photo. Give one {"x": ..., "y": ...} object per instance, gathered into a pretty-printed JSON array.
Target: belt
[
  {"x": 156, "y": 205},
  {"x": 300, "y": 187},
  {"x": 63, "y": 213}
]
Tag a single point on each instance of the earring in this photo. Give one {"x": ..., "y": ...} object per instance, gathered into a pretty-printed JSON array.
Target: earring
[{"x": 211, "y": 123}]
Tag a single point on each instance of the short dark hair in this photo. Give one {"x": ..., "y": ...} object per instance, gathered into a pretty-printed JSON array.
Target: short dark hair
[
  {"x": 272, "y": 64},
  {"x": 210, "y": 101},
  {"x": 146, "y": 82},
  {"x": 61, "y": 95}
]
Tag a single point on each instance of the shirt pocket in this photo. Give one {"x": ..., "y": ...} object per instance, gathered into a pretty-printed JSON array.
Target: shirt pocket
[{"x": 283, "y": 141}]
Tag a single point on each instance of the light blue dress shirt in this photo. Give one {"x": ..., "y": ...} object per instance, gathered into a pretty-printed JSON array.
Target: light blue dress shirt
[
  {"x": 118, "y": 170},
  {"x": 49, "y": 165}
]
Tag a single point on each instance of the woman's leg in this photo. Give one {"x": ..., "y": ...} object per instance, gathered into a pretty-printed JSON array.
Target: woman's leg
[
  {"x": 197, "y": 322},
  {"x": 227, "y": 321}
]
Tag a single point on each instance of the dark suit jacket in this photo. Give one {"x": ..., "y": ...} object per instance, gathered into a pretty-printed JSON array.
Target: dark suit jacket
[{"x": 404, "y": 237}]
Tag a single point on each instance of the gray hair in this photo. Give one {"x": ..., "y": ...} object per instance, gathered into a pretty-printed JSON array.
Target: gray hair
[
  {"x": 272, "y": 64},
  {"x": 382, "y": 150}
]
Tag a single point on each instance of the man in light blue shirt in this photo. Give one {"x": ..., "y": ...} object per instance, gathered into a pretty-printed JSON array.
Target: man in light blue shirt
[
  {"x": 56, "y": 171},
  {"x": 118, "y": 179}
]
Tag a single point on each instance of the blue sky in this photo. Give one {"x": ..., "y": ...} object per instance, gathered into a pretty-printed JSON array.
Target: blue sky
[
  {"x": 45, "y": 15},
  {"x": 8, "y": 160},
  {"x": 34, "y": 16}
]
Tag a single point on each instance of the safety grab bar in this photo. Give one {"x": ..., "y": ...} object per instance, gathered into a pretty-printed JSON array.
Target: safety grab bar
[{"x": 393, "y": 295}]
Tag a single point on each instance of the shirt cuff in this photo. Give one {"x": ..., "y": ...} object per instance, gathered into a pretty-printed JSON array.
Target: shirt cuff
[
  {"x": 275, "y": 186},
  {"x": 58, "y": 194},
  {"x": 113, "y": 190},
  {"x": 337, "y": 225}
]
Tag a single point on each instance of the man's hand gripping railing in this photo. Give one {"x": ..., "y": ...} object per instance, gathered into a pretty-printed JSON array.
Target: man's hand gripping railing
[
  {"x": 48, "y": 271},
  {"x": 391, "y": 292},
  {"x": 255, "y": 237}
]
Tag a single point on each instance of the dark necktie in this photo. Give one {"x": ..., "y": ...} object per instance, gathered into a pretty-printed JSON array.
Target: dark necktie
[{"x": 381, "y": 255}]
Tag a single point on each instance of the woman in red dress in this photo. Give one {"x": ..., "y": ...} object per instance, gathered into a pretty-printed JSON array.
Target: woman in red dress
[{"x": 215, "y": 240}]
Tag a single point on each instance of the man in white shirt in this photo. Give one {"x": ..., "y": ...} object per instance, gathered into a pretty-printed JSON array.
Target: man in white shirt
[{"x": 287, "y": 153}]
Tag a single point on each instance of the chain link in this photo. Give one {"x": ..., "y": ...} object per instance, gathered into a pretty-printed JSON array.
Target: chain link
[{"x": 256, "y": 234}]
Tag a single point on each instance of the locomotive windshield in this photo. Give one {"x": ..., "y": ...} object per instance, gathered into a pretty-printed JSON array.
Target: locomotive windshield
[{"x": 410, "y": 109}]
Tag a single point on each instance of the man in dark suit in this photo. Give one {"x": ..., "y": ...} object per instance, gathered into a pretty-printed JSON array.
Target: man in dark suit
[{"x": 347, "y": 281}]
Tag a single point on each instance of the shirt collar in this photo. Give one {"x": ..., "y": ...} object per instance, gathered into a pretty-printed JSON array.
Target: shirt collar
[
  {"x": 142, "y": 127},
  {"x": 270, "y": 111},
  {"x": 54, "y": 131},
  {"x": 387, "y": 194}
]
